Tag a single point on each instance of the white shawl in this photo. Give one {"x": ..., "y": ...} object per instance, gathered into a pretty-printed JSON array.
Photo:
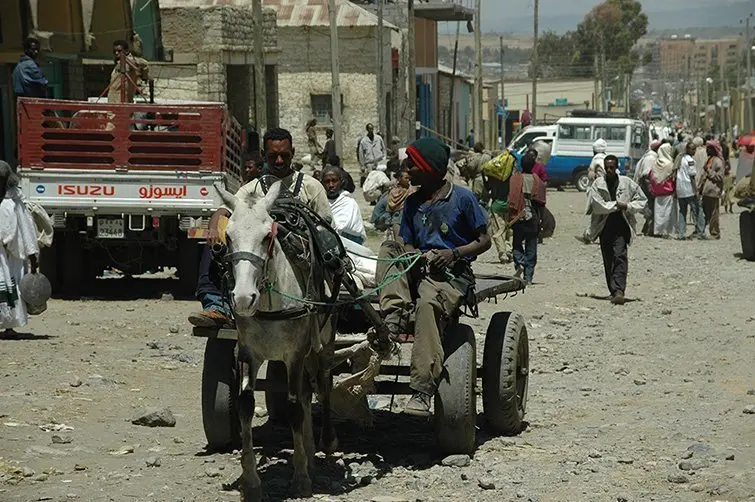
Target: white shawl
[{"x": 347, "y": 219}]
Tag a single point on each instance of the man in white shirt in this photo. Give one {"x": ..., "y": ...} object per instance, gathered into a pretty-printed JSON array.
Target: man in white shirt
[
  {"x": 686, "y": 191},
  {"x": 371, "y": 151}
]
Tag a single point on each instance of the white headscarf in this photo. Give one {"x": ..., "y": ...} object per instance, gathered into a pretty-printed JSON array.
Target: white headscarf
[
  {"x": 664, "y": 166},
  {"x": 599, "y": 146}
]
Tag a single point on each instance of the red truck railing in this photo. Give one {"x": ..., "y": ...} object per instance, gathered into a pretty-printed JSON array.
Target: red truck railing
[{"x": 141, "y": 136}]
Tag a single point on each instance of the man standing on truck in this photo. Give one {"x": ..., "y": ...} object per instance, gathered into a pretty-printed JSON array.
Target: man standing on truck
[
  {"x": 125, "y": 77},
  {"x": 29, "y": 81},
  {"x": 613, "y": 202},
  {"x": 279, "y": 152},
  {"x": 446, "y": 224},
  {"x": 371, "y": 152}
]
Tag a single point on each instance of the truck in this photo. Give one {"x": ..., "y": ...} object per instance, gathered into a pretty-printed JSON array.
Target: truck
[{"x": 128, "y": 186}]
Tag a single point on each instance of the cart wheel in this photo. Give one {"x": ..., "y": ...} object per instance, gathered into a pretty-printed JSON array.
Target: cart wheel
[
  {"x": 505, "y": 372},
  {"x": 220, "y": 392},
  {"x": 276, "y": 401},
  {"x": 455, "y": 401},
  {"x": 747, "y": 234}
]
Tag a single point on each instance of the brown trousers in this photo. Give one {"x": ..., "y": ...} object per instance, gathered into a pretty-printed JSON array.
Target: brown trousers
[
  {"x": 711, "y": 210},
  {"x": 437, "y": 303}
]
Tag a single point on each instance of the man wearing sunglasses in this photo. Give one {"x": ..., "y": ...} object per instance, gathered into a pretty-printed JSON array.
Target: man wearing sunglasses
[{"x": 278, "y": 155}]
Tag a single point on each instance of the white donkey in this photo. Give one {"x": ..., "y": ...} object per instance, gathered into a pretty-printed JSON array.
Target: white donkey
[{"x": 267, "y": 333}]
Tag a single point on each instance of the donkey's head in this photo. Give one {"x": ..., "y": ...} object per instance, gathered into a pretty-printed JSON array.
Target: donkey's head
[{"x": 249, "y": 237}]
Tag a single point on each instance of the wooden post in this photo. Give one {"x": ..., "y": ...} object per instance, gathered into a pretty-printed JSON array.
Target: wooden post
[
  {"x": 722, "y": 91},
  {"x": 478, "y": 131},
  {"x": 503, "y": 99},
  {"x": 453, "y": 85},
  {"x": 335, "y": 81},
  {"x": 748, "y": 42},
  {"x": 381, "y": 73},
  {"x": 596, "y": 90},
  {"x": 535, "y": 65},
  {"x": 260, "y": 83},
  {"x": 411, "y": 77}
]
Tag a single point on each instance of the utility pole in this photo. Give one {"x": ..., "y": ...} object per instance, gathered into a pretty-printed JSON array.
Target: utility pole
[
  {"x": 535, "y": 65},
  {"x": 260, "y": 84},
  {"x": 748, "y": 44},
  {"x": 334, "y": 75},
  {"x": 478, "y": 130},
  {"x": 411, "y": 77},
  {"x": 453, "y": 84},
  {"x": 381, "y": 71},
  {"x": 721, "y": 71},
  {"x": 596, "y": 90},
  {"x": 503, "y": 99}
]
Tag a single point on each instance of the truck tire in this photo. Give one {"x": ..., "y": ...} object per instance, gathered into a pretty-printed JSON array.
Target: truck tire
[
  {"x": 581, "y": 181},
  {"x": 505, "y": 373},
  {"x": 455, "y": 400},
  {"x": 189, "y": 255},
  {"x": 747, "y": 234},
  {"x": 220, "y": 393}
]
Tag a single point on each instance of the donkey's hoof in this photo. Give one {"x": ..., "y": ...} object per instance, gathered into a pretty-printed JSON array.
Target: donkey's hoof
[
  {"x": 302, "y": 487},
  {"x": 328, "y": 445},
  {"x": 250, "y": 493}
]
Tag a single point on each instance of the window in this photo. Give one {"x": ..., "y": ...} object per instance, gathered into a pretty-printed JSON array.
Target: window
[
  {"x": 322, "y": 107},
  {"x": 611, "y": 133},
  {"x": 639, "y": 138},
  {"x": 574, "y": 132},
  {"x": 525, "y": 140}
]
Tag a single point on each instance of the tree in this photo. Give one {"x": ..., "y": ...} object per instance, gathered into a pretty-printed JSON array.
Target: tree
[{"x": 610, "y": 30}]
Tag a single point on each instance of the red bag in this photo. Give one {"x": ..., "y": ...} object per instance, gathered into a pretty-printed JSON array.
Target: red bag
[{"x": 668, "y": 187}]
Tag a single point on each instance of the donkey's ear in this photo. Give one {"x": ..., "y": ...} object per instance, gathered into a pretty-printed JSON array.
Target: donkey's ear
[
  {"x": 272, "y": 195},
  {"x": 227, "y": 197}
]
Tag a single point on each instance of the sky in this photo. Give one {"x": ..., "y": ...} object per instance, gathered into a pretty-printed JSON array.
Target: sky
[{"x": 505, "y": 15}]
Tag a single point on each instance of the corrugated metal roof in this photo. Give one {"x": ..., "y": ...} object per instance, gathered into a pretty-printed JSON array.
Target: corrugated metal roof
[{"x": 294, "y": 12}]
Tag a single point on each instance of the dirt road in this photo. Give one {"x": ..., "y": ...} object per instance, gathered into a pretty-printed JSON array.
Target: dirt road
[{"x": 650, "y": 401}]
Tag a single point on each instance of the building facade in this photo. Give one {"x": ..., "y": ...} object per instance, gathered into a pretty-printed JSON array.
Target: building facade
[
  {"x": 305, "y": 79},
  {"x": 696, "y": 58},
  {"x": 210, "y": 48}
]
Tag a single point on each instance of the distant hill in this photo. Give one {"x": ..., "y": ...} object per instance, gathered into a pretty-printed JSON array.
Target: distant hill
[{"x": 706, "y": 16}]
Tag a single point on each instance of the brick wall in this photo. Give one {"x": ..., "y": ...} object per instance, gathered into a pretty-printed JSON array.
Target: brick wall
[{"x": 360, "y": 107}]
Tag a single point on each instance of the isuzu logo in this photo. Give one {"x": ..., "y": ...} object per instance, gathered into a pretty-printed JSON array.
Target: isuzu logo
[
  {"x": 92, "y": 190},
  {"x": 40, "y": 189}
]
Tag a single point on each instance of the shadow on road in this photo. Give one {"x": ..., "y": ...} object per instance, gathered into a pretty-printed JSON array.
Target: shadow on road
[{"x": 130, "y": 288}]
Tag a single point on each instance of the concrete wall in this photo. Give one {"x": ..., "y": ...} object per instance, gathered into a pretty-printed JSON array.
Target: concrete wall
[
  {"x": 189, "y": 32},
  {"x": 307, "y": 49},
  {"x": 359, "y": 99},
  {"x": 213, "y": 52}
]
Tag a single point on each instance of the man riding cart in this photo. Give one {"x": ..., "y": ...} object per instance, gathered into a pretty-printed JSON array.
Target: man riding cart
[
  {"x": 446, "y": 224},
  {"x": 424, "y": 280}
]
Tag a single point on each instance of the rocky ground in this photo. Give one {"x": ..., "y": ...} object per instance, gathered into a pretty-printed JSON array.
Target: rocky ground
[{"x": 654, "y": 400}]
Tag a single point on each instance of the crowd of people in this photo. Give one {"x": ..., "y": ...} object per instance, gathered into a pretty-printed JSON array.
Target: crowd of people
[{"x": 686, "y": 179}]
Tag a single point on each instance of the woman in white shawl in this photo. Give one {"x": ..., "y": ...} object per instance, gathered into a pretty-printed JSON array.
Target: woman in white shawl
[
  {"x": 18, "y": 248},
  {"x": 347, "y": 219},
  {"x": 662, "y": 186}
]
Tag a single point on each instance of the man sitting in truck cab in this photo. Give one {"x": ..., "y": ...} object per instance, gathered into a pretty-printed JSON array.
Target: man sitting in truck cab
[
  {"x": 445, "y": 223},
  {"x": 278, "y": 154}
]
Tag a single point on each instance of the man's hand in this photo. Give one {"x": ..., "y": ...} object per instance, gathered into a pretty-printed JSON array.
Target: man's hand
[
  {"x": 34, "y": 263},
  {"x": 440, "y": 258},
  {"x": 622, "y": 205},
  {"x": 213, "y": 236}
]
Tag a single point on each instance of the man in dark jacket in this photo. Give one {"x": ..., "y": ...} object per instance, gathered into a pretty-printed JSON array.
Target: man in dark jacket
[{"x": 28, "y": 78}]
